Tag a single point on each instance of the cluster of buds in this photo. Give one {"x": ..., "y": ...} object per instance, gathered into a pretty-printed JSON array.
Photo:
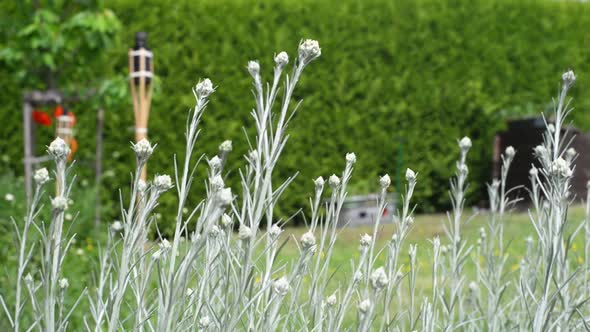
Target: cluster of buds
[
  {"x": 281, "y": 286},
  {"x": 58, "y": 149},
  {"x": 309, "y": 50},
  {"x": 379, "y": 278},
  {"x": 41, "y": 176},
  {"x": 203, "y": 89},
  {"x": 308, "y": 241}
]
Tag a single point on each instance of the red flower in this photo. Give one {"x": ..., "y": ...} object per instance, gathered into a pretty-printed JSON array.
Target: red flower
[{"x": 41, "y": 118}]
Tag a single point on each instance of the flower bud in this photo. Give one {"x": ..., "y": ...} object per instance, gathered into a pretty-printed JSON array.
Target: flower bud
[
  {"x": 379, "y": 278},
  {"x": 319, "y": 183},
  {"x": 334, "y": 181},
  {"x": 308, "y": 240},
  {"x": 275, "y": 231},
  {"x": 309, "y": 50},
  {"x": 41, "y": 176},
  {"x": 350, "y": 158},
  {"x": 568, "y": 79},
  {"x": 244, "y": 233},
  {"x": 385, "y": 181},
  {"x": 225, "y": 196},
  {"x": 59, "y": 203},
  {"x": 510, "y": 152},
  {"x": 410, "y": 175},
  {"x": 226, "y": 146},
  {"x": 281, "y": 59},
  {"x": 162, "y": 182},
  {"x": 226, "y": 220},
  {"x": 364, "y": 306},
  {"x": 366, "y": 240},
  {"x": 64, "y": 283},
  {"x": 58, "y": 149},
  {"x": 254, "y": 69},
  {"x": 204, "y": 89},
  {"x": 331, "y": 300},
  {"x": 143, "y": 150},
  {"x": 281, "y": 286},
  {"x": 465, "y": 144}
]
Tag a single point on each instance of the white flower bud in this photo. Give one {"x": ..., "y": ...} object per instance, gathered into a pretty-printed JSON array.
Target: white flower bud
[
  {"x": 203, "y": 89},
  {"x": 225, "y": 146},
  {"x": 510, "y": 152},
  {"x": 410, "y": 175},
  {"x": 560, "y": 168},
  {"x": 162, "y": 182},
  {"x": 366, "y": 240},
  {"x": 533, "y": 171},
  {"x": 216, "y": 183},
  {"x": 214, "y": 231},
  {"x": 281, "y": 59},
  {"x": 465, "y": 144},
  {"x": 570, "y": 154},
  {"x": 568, "y": 79},
  {"x": 68, "y": 217},
  {"x": 28, "y": 279},
  {"x": 157, "y": 255},
  {"x": 165, "y": 244},
  {"x": 309, "y": 50},
  {"x": 379, "y": 278},
  {"x": 473, "y": 286},
  {"x": 364, "y": 306},
  {"x": 281, "y": 286},
  {"x": 204, "y": 322},
  {"x": 319, "y": 183},
  {"x": 41, "y": 176},
  {"x": 254, "y": 69},
  {"x": 143, "y": 150},
  {"x": 117, "y": 226},
  {"x": 551, "y": 128},
  {"x": 529, "y": 240},
  {"x": 9, "y": 197},
  {"x": 334, "y": 181},
  {"x": 225, "y": 196},
  {"x": 59, "y": 203},
  {"x": 275, "y": 231},
  {"x": 215, "y": 164},
  {"x": 540, "y": 150},
  {"x": 385, "y": 181},
  {"x": 226, "y": 220},
  {"x": 350, "y": 158},
  {"x": 244, "y": 233},
  {"x": 308, "y": 240},
  {"x": 64, "y": 283},
  {"x": 58, "y": 149},
  {"x": 331, "y": 300}
]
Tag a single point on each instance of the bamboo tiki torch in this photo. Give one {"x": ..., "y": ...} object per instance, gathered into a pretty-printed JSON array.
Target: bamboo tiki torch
[
  {"x": 141, "y": 72},
  {"x": 63, "y": 130}
]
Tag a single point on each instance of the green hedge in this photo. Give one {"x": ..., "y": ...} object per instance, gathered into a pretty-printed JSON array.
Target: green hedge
[{"x": 415, "y": 73}]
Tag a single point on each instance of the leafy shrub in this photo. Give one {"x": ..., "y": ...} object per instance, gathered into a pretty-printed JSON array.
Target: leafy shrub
[
  {"x": 403, "y": 72},
  {"x": 206, "y": 277}
]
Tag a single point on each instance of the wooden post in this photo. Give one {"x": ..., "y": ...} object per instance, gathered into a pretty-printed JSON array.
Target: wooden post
[
  {"x": 28, "y": 149},
  {"x": 98, "y": 164}
]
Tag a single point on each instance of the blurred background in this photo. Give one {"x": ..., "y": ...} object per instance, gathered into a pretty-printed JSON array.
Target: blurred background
[{"x": 398, "y": 83}]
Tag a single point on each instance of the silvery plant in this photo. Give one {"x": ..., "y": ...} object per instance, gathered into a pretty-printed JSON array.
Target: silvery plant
[{"x": 219, "y": 270}]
